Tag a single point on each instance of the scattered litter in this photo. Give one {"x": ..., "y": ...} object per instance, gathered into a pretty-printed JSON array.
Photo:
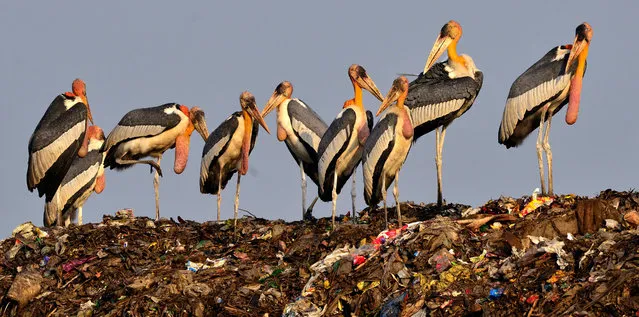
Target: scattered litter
[{"x": 457, "y": 260}]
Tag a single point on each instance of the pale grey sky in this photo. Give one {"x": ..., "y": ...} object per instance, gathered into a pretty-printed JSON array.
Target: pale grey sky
[{"x": 136, "y": 54}]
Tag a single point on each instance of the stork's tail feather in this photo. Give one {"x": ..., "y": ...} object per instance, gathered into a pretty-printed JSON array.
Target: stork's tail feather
[{"x": 50, "y": 214}]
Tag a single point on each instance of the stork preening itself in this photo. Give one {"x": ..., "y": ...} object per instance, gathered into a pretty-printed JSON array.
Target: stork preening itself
[
  {"x": 85, "y": 176},
  {"x": 340, "y": 149},
  {"x": 58, "y": 138},
  {"x": 301, "y": 129},
  {"x": 443, "y": 92},
  {"x": 150, "y": 132},
  {"x": 540, "y": 92},
  {"x": 387, "y": 148},
  {"x": 227, "y": 151}
]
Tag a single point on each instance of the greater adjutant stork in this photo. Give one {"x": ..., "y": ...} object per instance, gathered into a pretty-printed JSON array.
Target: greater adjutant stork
[
  {"x": 540, "y": 92},
  {"x": 340, "y": 149},
  {"x": 227, "y": 151},
  {"x": 387, "y": 147},
  {"x": 58, "y": 138},
  {"x": 150, "y": 132},
  {"x": 85, "y": 176},
  {"x": 301, "y": 129},
  {"x": 443, "y": 92}
]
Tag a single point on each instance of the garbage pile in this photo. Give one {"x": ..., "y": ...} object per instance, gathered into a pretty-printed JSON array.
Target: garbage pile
[{"x": 531, "y": 256}]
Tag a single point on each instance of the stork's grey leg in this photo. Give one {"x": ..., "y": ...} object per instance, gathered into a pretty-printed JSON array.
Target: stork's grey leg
[
  {"x": 546, "y": 146},
  {"x": 540, "y": 159},
  {"x": 219, "y": 196},
  {"x": 354, "y": 192},
  {"x": 79, "y": 216},
  {"x": 384, "y": 200},
  {"x": 440, "y": 133},
  {"x": 156, "y": 186},
  {"x": 150, "y": 162},
  {"x": 334, "y": 196},
  {"x": 303, "y": 189},
  {"x": 396, "y": 194},
  {"x": 237, "y": 201}
]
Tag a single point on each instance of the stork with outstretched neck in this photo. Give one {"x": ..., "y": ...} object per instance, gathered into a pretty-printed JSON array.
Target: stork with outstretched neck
[
  {"x": 340, "y": 149},
  {"x": 443, "y": 92},
  {"x": 540, "y": 92}
]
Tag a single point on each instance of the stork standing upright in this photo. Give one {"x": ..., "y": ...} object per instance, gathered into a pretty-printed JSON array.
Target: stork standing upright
[
  {"x": 85, "y": 176},
  {"x": 540, "y": 92},
  {"x": 443, "y": 92},
  {"x": 387, "y": 148},
  {"x": 301, "y": 129},
  {"x": 150, "y": 132},
  {"x": 340, "y": 149},
  {"x": 58, "y": 138},
  {"x": 227, "y": 151}
]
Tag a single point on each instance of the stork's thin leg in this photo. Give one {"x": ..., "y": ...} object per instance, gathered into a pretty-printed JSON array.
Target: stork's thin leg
[
  {"x": 384, "y": 200},
  {"x": 334, "y": 196},
  {"x": 540, "y": 159},
  {"x": 219, "y": 196},
  {"x": 303, "y": 189},
  {"x": 440, "y": 133},
  {"x": 237, "y": 201},
  {"x": 396, "y": 194},
  {"x": 79, "y": 216},
  {"x": 150, "y": 162},
  {"x": 156, "y": 186},
  {"x": 354, "y": 192},
  {"x": 548, "y": 154}
]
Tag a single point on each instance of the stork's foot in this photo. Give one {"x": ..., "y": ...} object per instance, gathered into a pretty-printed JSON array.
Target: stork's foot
[{"x": 308, "y": 214}]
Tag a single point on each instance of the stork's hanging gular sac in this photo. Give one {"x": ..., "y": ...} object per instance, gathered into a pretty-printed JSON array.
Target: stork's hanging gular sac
[
  {"x": 340, "y": 149},
  {"x": 59, "y": 137},
  {"x": 387, "y": 148},
  {"x": 301, "y": 129},
  {"x": 443, "y": 92},
  {"x": 227, "y": 151},
  {"x": 540, "y": 92},
  {"x": 85, "y": 176},
  {"x": 150, "y": 132}
]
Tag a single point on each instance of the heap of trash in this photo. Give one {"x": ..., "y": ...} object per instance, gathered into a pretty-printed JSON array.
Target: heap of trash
[{"x": 532, "y": 256}]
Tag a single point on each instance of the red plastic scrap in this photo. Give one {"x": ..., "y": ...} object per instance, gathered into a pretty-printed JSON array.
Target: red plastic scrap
[
  {"x": 358, "y": 259},
  {"x": 532, "y": 299},
  {"x": 75, "y": 263}
]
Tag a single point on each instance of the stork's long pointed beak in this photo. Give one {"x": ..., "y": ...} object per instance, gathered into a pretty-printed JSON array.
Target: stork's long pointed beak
[
  {"x": 273, "y": 102},
  {"x": 368, "y": 84},
  {"x": 255, "y": 113},
  {"x": 89, "y": 115},
  {"x": 199, "y": 122},
  {"x": 440, "y": 46},
  {"x": 391, "y": 97},
  {"x": 577, "y": 47}
]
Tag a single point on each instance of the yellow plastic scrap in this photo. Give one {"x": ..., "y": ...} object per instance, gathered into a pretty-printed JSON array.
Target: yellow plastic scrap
[
  {"x": 457, "y": 272},
  {"x": 363, "y": 242},
  {"x": 534, "y": 204},
  {"x": 327, "y": 284},
  {"x": 556, "y": 277},
  {"x": 478, "y": 258},
  {"x": 370, "y": 286}
]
